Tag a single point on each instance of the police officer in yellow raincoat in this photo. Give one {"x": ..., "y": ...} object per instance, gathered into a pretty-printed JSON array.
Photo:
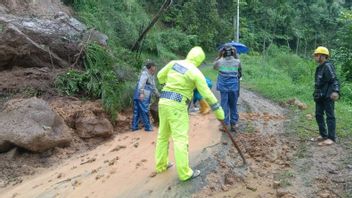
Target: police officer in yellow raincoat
[{"x": 180, "y": 77}]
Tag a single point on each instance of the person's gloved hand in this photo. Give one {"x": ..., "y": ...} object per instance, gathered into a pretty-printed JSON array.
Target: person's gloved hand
[
  {"x": 219, "y": 114},
  {"x": 334, "y": 96}
]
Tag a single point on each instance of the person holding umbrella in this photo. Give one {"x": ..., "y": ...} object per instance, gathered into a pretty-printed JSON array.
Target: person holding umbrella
[{"x": 228, "y": 68}]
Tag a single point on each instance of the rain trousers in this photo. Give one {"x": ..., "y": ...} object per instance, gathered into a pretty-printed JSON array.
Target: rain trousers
[
  {"x": 146, "y": 85},
  {"x": 228, "y": 85},
  {"x": 180, "y": 77}
]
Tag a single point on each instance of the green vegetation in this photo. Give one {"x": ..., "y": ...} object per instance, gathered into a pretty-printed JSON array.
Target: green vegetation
[
  {"x": 285, "y": 177},
  {"x": 99, "y": 80},
  {"x": 281, "y": 75},
  {"x": 296, "y": 27}
]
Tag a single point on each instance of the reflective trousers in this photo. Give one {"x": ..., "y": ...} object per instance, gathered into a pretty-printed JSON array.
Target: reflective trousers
[
  {"x": 326, "y": 106},
  {"x": 229, "y": 104},
  {"x": 141, "y": 112},
  {"x": 174, "y": 122}
]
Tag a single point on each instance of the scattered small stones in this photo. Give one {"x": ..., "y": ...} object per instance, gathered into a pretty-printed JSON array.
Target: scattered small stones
[
  {"x": 99, "y": 176},
  {"x": 324, "y": 194},
  {"x": 88, "y": 161},
  {"x": 252, "y": 188},
  {"x": 224, "y": 188},
  {"x": 60, "y": 175},
  {"x": 153, "y": 174},
  {"x": 136, "y": 145},
  {"x": 117, "y": 148},
  {"x": 229, "y": 179},
  {"x": 276, "y": 184},
  {"x": 282, "y": 192}
]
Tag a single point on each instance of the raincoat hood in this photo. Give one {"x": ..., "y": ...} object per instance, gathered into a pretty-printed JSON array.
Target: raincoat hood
[{"x": 196, "y": 56}]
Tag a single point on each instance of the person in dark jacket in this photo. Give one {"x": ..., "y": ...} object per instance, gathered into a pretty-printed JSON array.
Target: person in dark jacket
[{"x": 326, "y": 92}]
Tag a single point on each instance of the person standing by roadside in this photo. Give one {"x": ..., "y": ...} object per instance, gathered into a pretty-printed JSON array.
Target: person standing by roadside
[
  {"x": 228, "y": 68},
  {"x": 142, "y": 97},
  {"x": 326, "y": 92},
  {"x": 180, "y": 77}
]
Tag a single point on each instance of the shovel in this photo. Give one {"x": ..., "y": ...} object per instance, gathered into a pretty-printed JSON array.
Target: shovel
[{"x": 233, "y": 142}]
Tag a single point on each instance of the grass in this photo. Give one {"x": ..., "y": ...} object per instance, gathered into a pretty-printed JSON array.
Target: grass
[
  {"x": 285, "y": 178},
  {"x": 281, "y": 76}
]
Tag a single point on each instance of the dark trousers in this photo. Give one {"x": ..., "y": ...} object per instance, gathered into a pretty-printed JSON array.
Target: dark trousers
[
  {"x": 326, "y": 106},
  {"x": 141, "y": 112},
  {"x": 229, "y": 105}
]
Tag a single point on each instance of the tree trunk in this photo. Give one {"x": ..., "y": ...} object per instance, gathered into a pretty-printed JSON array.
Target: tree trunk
[
  {"x": 163, "y": 8},
  {"x": 264, "y": 47},
  {"x": 297, "y": 44},
  {"x": 305, "y": 47}
]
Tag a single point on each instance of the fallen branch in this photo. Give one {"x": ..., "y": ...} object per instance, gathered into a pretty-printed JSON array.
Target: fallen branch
[
  {"x": 163, "y": 8},
  {"x": 82, "y": 48}
]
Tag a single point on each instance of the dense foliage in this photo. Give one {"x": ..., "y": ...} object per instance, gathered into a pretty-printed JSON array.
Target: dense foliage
[{"x": 298, "y": 26}]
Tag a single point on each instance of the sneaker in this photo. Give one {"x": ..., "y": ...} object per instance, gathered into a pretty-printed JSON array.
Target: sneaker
[
  {"x": 234, "y": 127},
  {"x": 169, "y": 165},
  {"x": 195, "y": 174},
  {"x": 318, "y": 139},
  {"x": 326, "y": 142}
]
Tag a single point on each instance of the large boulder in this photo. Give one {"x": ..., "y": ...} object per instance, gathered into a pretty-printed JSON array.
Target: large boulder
[
  {"x": 34, "y": 41},
  {"x": 33, "y": 125}
]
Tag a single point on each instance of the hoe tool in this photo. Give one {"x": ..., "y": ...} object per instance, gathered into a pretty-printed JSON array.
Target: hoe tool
[{"x": 233, "y": 142}]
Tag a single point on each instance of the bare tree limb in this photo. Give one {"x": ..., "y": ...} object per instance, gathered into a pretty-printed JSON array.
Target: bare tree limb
[{"x": 163, "y": 8}]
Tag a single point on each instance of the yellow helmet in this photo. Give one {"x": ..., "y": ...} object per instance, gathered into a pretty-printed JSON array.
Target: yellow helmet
[{"x": 321, "y": 50}]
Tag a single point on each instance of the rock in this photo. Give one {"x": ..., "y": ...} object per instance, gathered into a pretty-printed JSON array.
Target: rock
[
  {"x": 298, "y": 103},
  {"x": 2, "y": 184},
  {"x": 276, "y": 184},
  {"x": 31, "y": 124},
  {"x": 87, "y": 118},
  {"x": 11, "y": 154},
  {"x": 309, "y": 116},
  {"x": 324, "y": 194},
  {"x": 36, "y": 41},
  {"x": 229, "y": 179},
  {"x": 252, "y": 188},
  {"x": 153, "y": 174},
  {"x": 224, "y": 188},
  {"x": 3, "y": 10},
  {"x": 88, "y": 125},
  {"x": 282, "y": 192}
]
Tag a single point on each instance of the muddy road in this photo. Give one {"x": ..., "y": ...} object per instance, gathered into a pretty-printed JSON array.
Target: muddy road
[{"x": 279, "y": 163}]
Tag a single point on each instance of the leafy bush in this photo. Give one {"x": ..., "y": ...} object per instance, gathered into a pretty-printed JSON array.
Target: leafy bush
[{"x": 98, "y": 81}]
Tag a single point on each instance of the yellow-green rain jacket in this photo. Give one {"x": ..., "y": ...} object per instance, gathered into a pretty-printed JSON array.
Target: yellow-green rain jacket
[{"x": 183, "y": 76}]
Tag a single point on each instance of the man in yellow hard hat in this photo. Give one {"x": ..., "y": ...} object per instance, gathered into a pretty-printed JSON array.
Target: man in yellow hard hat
[
  {"x": 180, "y": 77},
  {"x": 326, "y": 92}
]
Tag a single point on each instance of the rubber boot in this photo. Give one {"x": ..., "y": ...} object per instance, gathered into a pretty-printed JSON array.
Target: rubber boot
[{"x": 204, "y": 107}]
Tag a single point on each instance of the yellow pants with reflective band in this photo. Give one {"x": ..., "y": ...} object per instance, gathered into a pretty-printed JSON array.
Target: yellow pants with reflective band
[{"x": 174, "y": 122}]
